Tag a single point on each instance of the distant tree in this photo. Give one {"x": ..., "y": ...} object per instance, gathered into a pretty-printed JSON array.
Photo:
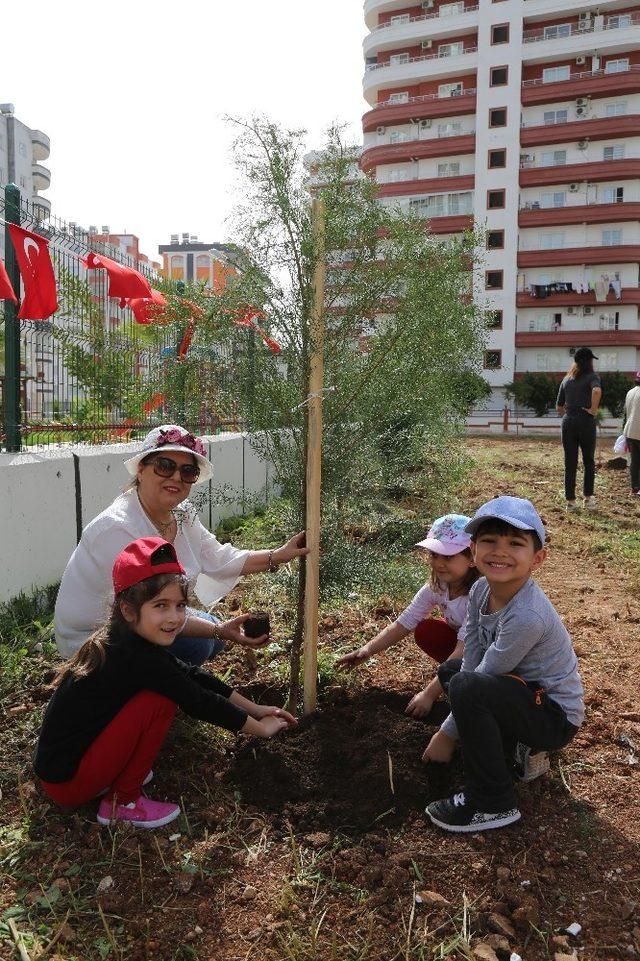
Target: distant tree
[
  {"x": 536, "y": 391},
  {"x": 614, "y": 390}
]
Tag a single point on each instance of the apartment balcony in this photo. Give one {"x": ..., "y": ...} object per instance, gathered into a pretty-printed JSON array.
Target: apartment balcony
[
  {"x": 628, "y": 295},
  {"x": 40, "y": 144},
  {"x": 451, "y": 224},
  {"x": 579, "y": 338},
  {"x": 595, "y": 213},
  {"x": 581, "y": 39},
  {"x": 588, "y": 83},
  {"x": 379, "y": 76},
  {"x": 539, "y": 9},
  {"x": 41, "y": 177},
  {"x": 412, "y": 30},
  {"x": 596, "y": 128},
  {"x": 430, "y": 185},
  {"x": 373, "y": 9},
  {"x": 418, "y": 149},
  {"x": 577, "y": 256},
  {"x": 594, "y": 171},
  {"x": 41, "y": 206},
  {"x": 430, "y": 106}
]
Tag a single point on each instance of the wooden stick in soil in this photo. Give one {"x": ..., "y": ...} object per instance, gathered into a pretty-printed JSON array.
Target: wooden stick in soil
[
  {"x": 19, "y": 943},
  {"x": 314, "y": 466}
]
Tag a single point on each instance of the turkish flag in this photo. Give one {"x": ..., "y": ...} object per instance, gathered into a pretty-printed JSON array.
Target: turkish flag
[
  {"x": 147, "y": 309},
  {"x": 124, "y": 282},
  {"x": 32, "y": 253},
  {"x": 185, "y": 343},
  {"x": 6, "y": 290}
]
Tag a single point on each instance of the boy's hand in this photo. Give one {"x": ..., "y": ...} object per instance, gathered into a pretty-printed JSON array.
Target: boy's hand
[
  {"x": 271, "y": 725},
  {"x": 420, "y": 704},
  {"x": 439, "y": 749},
  {"x": 265, "y": 710},
  {"x": 354, "y": 659}
]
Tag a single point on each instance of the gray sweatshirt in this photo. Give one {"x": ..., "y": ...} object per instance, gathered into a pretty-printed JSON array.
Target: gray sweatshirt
[{"x": 526, "y": 638}]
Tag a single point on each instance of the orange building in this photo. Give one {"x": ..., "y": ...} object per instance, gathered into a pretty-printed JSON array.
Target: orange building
[{"x": 186, "y": 258}]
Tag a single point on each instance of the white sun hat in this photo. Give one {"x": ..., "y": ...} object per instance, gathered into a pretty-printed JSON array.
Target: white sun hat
[{"x": 170, "y": 437}]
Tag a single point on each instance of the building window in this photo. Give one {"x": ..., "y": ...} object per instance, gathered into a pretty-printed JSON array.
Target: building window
[
  {"x": 497, "y": 158},
  {"x": 552, "y": 241},
  {"x": 495, "y": 199},
  {"x": 450, "y": 90},
  {"x": 493, "y": 279},
  {"x": 499, "y": 76},
  {"x": 611, "y": 238},
  {"x": 400, "y": 18},
  {"x": 492, "y": 359},
  {"x": 557, "y": 198},
  {"x": 177, "y": 268},
  {"x": 557, "y": 30},
  {"x": 612, "y": 195},
  {"x": 616, "y": 109},
  {"x": 555, "y": 116},
  {"x": 449, "y": 9},
  {"x": 500, "y": 33},
  {"x": 494, "y": 320},
  {"x": 554, "y": 74},
  {"x": 22, "y": 149},
  {"x": 616, "y": 66},
  {"x": 553, "y": 158},
  {"x": 495, "y": 239},
  {"x": 203, "y": 268},
  {"x": 450, "y": 129},
  {"x": 451, "y": 49},
  {"x": 498, "y": 117},
  {"x": 621, "y": 20},
  {"x": 402, "y": 97},
  {"x": 449, "y": 169},
  {"x": 613, "y": 153}
]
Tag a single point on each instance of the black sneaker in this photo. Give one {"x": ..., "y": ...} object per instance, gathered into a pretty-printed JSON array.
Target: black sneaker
[{"x": 455, "y": 814}]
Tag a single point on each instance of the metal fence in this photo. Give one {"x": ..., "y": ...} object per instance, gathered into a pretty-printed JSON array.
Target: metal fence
[{"x": 90, "y": 373}]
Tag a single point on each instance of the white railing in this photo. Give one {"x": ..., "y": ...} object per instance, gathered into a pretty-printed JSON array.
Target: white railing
[
  {"x": 425, "y": 98},
  {"x": 583, "y": 27},
  {"x": 426, "y": 16},
  {"x": 540, "y": 124},
  {"x": 537, "y": 204},
  {"x": 429, "y": 56},
  {"x": 587, "y": 245},
  {"x": 418, "y": 139},
  {"x": 583, "y": 75},
  {"x": 536, "y": 165}
]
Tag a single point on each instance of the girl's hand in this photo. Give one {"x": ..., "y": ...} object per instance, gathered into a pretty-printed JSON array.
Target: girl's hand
[
  {"x": 420, "y": 704},
  {"x": 268, "y": 726},
  {"x": 439, "y": 749},
  {"x": 354, "y": 659},
  {"x": 265, "y": 710},
  {"x": 232, "y": 631},
  {"x": 294, "y": 547}
]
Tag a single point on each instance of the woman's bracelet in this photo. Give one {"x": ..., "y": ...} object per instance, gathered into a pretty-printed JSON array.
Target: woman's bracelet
[{"x": 272, "y": 564}]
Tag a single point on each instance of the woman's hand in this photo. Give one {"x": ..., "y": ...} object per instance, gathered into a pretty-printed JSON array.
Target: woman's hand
[
  {"x": 354, "y": 659},
  {"x": 439, "y": 749},
  {"x": 232, "y": 631},
  {"x": 293, "y": 548},
  {"x": 268, "y": 726},
  {"x": 261, "y": 711}
]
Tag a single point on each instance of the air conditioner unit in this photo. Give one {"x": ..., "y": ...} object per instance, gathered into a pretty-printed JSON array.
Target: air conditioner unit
[
  {"x": 583, "y": 26},
  {"x": 572, "y": 310},
  {"x": 526, "y": 158},
  {"x": 425, "y": 124},
  {"x": 583, "y": 101},
  {"x": 587, "y": 311},
  {"x": 381, "y": 131},
  {"x": 584, "y": 15},
  {"x": 583, "y": 144},
  {"x": 574, "y": 188},
  {"x": 428, "y": 4},
  {"x": 426, "y": 44},
  {"x": 581, "y": 60}
]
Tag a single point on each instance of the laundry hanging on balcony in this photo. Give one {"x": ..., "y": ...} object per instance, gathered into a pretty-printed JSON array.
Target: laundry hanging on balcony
[
  {"x": 124, "y": 282},
  {"x": 600, "y": 287},
  {"x": 40, "y": 298}
]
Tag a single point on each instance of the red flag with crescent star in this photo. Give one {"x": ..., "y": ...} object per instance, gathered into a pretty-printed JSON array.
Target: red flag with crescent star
[
  {"x": 6, "y": 290},
  {"x": 32, "y": 253},
  {"x": 147, "y": 309},
  {"x": 124, "y": 282}
]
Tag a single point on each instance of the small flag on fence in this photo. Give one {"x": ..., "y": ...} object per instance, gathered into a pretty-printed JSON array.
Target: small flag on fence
[
  {"x": 124, "y": 282},
  {"x": 32, "y": 253},
  {"x": 6, "y": 290},
  {"x": 187, "y": 337},
  {"x": 147, "y": 309}
]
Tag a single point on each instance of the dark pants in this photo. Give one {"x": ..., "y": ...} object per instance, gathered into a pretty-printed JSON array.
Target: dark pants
[
  {"x": 579, "y": 434},
  {"x": 492, "y": 714},
  {"x": 634, "y": 463}
]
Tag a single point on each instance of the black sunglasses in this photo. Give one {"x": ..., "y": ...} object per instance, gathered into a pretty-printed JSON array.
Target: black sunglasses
[{"x": 166, "y": 467}]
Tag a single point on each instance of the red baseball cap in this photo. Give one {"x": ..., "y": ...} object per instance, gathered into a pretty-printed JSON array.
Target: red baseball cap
[{"x": 144, "y": 558}]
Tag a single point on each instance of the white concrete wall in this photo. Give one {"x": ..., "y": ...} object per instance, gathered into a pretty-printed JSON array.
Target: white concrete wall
[{"x": 41, "y": 505}]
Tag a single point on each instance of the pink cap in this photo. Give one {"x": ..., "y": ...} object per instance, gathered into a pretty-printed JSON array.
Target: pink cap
[{"x": 447, "y": 535}]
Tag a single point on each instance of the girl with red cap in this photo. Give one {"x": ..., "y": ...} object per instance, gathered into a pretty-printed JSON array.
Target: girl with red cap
[
  {"x": 453, "y": 572},
  {"x": 115, "y": 699}
]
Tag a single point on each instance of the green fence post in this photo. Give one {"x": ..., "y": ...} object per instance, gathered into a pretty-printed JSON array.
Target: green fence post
[{"x": 11, "y": 326}]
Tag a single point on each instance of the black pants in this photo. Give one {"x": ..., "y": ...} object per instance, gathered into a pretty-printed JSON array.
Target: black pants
[
  {"x": 579, "y": 433},
  {"x": 634, "y": 463},
  {"x": 492, "y": 714}
]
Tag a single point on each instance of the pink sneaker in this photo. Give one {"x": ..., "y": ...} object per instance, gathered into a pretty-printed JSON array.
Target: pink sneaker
[{"x": 143, "y": 813}]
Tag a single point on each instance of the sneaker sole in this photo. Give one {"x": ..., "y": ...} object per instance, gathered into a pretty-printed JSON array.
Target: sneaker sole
[
  {"x": 471, "y": 828},
  {"x": 158, "y": 823}
]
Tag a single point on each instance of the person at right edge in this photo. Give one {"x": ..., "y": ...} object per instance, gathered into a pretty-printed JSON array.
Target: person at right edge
[
  {"x": 518, "y": 685},
  {"x": 578, "y": 401},
  {"x": 631, "y": 430}
]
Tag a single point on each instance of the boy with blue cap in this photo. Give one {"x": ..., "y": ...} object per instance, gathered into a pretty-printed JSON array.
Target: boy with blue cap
[{"x": 518, "y": 683}]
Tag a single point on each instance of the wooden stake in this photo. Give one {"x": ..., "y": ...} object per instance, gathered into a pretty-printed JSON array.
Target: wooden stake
[{"x": 314, "y": 465}]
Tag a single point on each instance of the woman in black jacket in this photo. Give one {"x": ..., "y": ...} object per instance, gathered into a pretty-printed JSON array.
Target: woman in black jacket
[{"x": 578, "y": 401}]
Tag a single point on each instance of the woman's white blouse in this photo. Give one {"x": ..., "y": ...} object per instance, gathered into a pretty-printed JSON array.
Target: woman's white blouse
[{"x": 86, "y": 591}]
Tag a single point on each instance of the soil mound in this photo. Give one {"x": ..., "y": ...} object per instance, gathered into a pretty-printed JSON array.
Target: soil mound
[{"x": 333, "y": 771}]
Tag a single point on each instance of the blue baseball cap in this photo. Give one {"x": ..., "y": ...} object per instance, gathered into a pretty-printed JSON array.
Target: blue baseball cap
[{"x": 516, "y": 511}]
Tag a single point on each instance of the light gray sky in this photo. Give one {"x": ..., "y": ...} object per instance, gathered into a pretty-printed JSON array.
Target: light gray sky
[{"x": 133, "y": 95}]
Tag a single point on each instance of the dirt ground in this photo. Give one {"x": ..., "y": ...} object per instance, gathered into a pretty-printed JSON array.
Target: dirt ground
[{"x": 315, "y": 845}]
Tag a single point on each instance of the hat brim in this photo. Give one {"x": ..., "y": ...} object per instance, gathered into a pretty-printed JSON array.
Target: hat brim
[
  {"x": 440, "y": 547},
  {"x": 474, "y": 524},
  {"x": 206, "y": 467}
]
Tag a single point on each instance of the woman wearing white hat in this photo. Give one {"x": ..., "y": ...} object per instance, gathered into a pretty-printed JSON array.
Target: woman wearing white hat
[{"x": 170, "y": 461}]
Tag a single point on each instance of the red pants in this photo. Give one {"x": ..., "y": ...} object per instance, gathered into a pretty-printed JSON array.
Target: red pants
[
  {"x": 436, "y": 638},
  {"x": 122, "y": 754}
]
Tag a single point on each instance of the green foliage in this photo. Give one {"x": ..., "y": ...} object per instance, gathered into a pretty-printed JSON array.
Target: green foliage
[
  {"x": 536, "y": 391},
  {"x": 615, "y": 387}
]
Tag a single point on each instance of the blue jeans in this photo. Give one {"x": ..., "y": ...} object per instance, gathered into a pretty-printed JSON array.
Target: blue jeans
[{"x": 197, "y": 650}]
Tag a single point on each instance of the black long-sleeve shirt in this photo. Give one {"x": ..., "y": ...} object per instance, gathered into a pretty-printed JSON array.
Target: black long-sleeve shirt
[{"x": 81, "y": 708}]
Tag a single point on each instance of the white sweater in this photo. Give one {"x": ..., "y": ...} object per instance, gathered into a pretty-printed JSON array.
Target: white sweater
[
  {"x": 86, "y": 591},
  {"x": 632, "y": 414}
]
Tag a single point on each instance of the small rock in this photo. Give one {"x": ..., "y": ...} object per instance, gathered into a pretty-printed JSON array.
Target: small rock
[
  {"x": 561, "y": 940},
  {"x": 515, "y": 957},
  {"x": 175, "y": 837},
  {"x": 432, "y": 899},
  {"x": 560, "y": 956},
  {"x": 628, "y": 909},
  {"x": 502, "y": 925},
  {"x": 484, "y": 952},
  {"x": 574, "y": 929},
  {"x": 318, "y": 840},
  {"x": 197, "y": 929},
  {"x": 105, "y": 885},
  {"x": 525, "y": 884},
  {"x": 503, "y": 874},
  {"x": 630, "y": 950},
  {"x": 498, "y": 942},
  {"x": 249, "y": 893},
  {"x": 190, "y": 935}
]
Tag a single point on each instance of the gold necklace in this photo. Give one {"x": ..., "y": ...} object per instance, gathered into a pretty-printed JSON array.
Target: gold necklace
[{"x": 161, "y": 527}]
